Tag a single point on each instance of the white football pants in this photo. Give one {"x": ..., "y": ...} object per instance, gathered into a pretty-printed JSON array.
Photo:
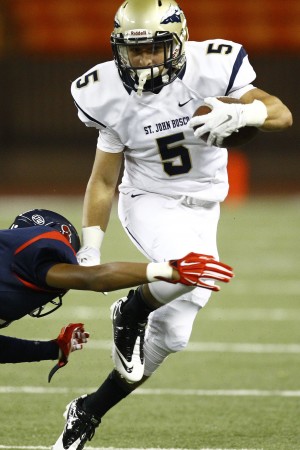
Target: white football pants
[{"x": 165, "y": 228}]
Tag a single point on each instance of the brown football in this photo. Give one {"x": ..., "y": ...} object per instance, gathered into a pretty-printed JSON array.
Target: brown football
[{"x": 236, "y": 139}]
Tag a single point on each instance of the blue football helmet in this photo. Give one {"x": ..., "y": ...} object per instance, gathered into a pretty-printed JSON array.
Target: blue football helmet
[{"x": 44, "y": 217}]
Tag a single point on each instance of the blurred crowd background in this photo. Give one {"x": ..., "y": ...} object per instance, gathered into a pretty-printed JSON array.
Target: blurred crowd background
[{"x": 45, "y": 44}]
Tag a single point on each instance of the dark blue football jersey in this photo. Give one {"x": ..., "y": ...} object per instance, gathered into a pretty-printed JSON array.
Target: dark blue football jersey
[{"x": 26, "y": 255}]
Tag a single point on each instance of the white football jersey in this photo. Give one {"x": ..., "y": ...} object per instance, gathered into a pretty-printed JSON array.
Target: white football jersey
[{"x": 161, "y": 153}]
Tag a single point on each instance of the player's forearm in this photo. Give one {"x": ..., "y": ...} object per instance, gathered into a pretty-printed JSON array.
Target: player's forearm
[
  {"x": 107, "y": 277},
  {"x": 101, "y": 188},
  {"x": 97, "y": 205},
  {"x": 13, "y": 350},
  {"x": 119, "y": 275},
  {"x": 96, "y": 213},
  {"x": 279, "y": 116}
]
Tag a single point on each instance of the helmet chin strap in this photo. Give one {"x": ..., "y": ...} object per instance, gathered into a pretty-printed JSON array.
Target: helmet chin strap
[{"x": 145, "y": 75}]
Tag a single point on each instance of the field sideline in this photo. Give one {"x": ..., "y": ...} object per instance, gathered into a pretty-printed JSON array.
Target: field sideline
[{"x": 237, "y": 385}]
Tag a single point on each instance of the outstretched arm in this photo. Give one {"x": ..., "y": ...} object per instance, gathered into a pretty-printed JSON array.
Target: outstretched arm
[{"x": 191, "y": 270}]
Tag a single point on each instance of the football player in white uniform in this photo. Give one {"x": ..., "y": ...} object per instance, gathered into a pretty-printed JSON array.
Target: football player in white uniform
[{"x": 173, "y": 181}]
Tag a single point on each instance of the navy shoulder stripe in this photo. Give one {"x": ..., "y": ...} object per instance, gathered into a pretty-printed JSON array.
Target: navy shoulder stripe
[
  {"x": 88, "y": 116},
  {"x": 236, "y": 67}
]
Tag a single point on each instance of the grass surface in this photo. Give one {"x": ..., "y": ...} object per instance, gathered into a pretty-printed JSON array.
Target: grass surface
[{"x": 236, "y": 387}]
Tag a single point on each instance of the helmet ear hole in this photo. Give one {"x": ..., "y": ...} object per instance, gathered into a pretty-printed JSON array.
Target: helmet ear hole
[{"x": 45, "y": 217}]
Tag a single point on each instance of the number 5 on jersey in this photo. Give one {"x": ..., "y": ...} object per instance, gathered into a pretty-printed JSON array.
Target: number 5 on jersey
[{"x": 169, "y": 152}]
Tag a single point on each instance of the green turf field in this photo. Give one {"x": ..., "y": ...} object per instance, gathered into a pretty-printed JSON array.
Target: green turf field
[{"x": 237, "y": 386}]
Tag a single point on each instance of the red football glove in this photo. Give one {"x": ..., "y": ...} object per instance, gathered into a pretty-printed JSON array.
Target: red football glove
[
  {"x": 70, "y": 339},
  {"x": 195, "y": 268}
]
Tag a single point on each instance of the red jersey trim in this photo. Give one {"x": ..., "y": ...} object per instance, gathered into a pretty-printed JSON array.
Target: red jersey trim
[
  {"x": 31, "y": 286},
  {"x": 55, "y": 235}
]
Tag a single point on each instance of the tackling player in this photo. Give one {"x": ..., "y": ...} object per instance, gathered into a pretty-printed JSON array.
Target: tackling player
[
  {"x": 39, "y": 251},
  {"x": 173, "y": 180}
]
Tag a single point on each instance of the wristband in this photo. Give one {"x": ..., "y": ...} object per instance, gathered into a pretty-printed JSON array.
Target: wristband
[
  {"x": 255, "y": 113},
  {"x": 92, "y": 236},
  {"x": 155, "y": 270}
]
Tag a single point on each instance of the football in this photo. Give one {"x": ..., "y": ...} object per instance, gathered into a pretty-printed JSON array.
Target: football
[{"x": 236, "y": 139}]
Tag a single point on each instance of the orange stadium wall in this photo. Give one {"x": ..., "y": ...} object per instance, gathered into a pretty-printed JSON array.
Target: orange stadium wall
[
  {"x": 46, "y": 44},
  {"x": 76, "y": 26}
]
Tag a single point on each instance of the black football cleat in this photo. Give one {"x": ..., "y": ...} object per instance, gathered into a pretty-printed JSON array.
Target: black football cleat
[
  {"x": 128, "y": 345},
  {"x": 80, "y": 427}
]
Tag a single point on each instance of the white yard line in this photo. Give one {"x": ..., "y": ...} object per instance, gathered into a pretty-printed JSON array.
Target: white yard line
[
  {"x": 212, "y": 347},
  {"x": 214, "y": 314},
  {"x": 223, "y": 347},
  {"x": 181, "y": 392},
  {"x": 227, "y": 347},
  {"x": 39, "y": 447},
  {"x": 219, "y": 392}
]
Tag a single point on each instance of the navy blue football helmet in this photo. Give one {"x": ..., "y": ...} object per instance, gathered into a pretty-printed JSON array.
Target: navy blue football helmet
[{"x": 44, "y": 217}]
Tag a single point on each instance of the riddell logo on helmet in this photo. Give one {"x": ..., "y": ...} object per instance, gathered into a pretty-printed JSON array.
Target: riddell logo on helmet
[{"x": 138, "y": 32}]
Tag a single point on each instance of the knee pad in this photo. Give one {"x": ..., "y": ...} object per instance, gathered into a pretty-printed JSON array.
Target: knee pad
[
  {"x": 177, "y": 337},
  {"x": 169, "y": 330},
  {"x": 155, "y": 355}
]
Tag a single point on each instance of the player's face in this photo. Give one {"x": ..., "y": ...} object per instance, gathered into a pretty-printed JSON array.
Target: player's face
[{"x": 146, "y": 55}]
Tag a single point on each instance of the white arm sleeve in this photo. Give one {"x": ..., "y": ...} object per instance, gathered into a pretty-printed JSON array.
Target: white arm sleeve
[
  {"x": 240, "y": 92},
  {"x": 109, "y": 141},
  {"x": 88, "y": 122}
]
